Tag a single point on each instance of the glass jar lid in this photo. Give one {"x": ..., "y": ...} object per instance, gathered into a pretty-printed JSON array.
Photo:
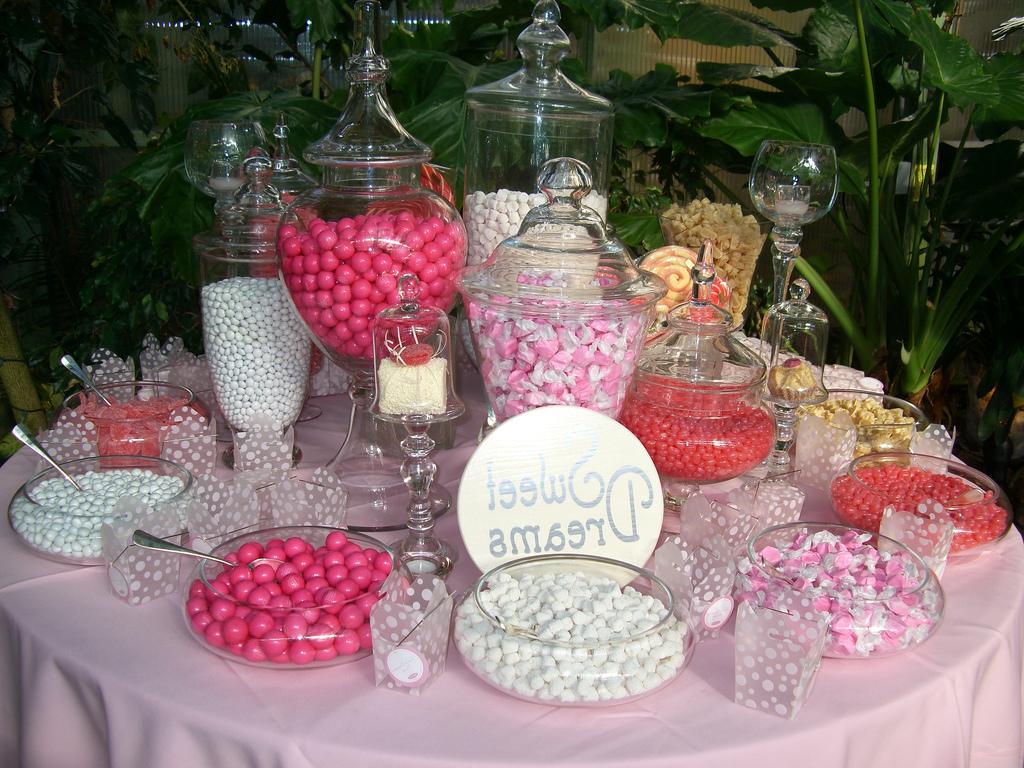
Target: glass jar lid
[
  {"x": 287, "y": 177},
  {"x": 367, "y": 131},
  {"x": 247, "y": 228},
  {"x": 699, "y": 350},
  {"x": 563, "y": 255},
  {"x": 541, "y": 81}
]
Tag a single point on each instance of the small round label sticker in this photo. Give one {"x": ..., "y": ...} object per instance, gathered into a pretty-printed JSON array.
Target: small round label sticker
[
  {"x": 407, "y": 667},
  {"x": 117, "y": 580},
  {"x": 716, "y": 614}
]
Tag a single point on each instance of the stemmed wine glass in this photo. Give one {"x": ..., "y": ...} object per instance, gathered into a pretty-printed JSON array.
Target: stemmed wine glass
[
  {"x": 214, "y": 153},
  {"x": 792, "y": 184}
]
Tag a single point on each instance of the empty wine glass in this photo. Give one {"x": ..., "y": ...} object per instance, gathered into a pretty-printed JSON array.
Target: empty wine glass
[
  {"x": 792, "y": 184},
  {"x": 214, "y": 152}
]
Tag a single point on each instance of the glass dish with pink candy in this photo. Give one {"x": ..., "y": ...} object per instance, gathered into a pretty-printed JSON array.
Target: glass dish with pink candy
[
  {"x": 299, "y": 596},
  {"x": 879, "y": 596},
  {"x": 978, "y": 507}
]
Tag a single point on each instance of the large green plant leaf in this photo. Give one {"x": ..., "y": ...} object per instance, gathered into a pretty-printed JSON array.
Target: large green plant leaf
[
  {"x": 786, "y": 5},
  {"x": 993, "y": 120},
  {"x": 640, "y": 231},
  {"x": 744, "y": 128},
  {"x": 708, "y": 24},
  {"x": 644, "y": 105},
  {"x": 799, "y": 82},
  {"x": 990, "y": 185},
  {"x": 951, "y": 65},
  {"x": 831, "y": 36},
  {"x": 324, "y": 15}
]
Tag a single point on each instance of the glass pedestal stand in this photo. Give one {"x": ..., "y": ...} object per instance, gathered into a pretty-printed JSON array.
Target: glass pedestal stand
[
  {"x": 376, "y": 495},
  {"x": 785, "y": 252},
  {"x": 420, "y": 551},
  {"x": 778, "y": 460}
]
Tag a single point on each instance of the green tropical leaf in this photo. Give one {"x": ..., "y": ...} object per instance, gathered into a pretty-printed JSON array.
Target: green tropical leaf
[
  {"x": 786, "y": 5},
  {"x": 324, "y": 16},
  {"x": 951, "y": 64},
  {"x": 993, "y": 120},
  {"x": 744, "y": 128},
  {"x": 990, "y": 185},
  {"x": 640, "y": 231},
  {"x": 895, "y": 141}
]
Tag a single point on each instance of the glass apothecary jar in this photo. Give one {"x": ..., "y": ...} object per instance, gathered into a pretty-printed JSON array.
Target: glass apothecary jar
[
  {"x": 559, "y": 312},
  {"x": 515, "y": 125},
  {"x": 255, "y": 343},
  {"x": 343, "y": 246},
  {"x": 695, "y": 401}
]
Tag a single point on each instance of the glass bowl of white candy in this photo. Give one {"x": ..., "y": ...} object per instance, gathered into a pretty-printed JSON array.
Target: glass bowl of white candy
[
  {"x": 64, "y": 524},
  {"x": 572, "y": 630}
]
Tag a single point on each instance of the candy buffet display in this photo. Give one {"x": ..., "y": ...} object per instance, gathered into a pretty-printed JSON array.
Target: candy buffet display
[
  {"x": 793, "y": 185},
  {"x": 343, "y": 246},
  {"x": 298, "y": 597},
  {"x": 136, "y": 417},
  {"x": 62, "y": 523},
  {"x": 412, "y": 359},
  {"x": 737, "y": 239},
  {"x": 572, "y": 630},
  {"x": 515, "y": 125},
  {"x": 882, "y": 422},
  {"x": 978, "y": 507},
  {"x": 558, "y": 313},
  {"x": 256, "y": 347},
  {"x": 879, "y": 596},
  {"x": 798, "y": 334},
  {"x": 695, "y": 402}
]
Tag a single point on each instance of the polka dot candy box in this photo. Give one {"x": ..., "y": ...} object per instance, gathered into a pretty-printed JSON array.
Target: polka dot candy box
[
  {"x": 558, "y": 313},
  {"x": 299, "y": 597}
]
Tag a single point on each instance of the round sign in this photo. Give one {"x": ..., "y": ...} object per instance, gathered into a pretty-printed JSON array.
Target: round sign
[
  {"x": 406, "y": 667},
  {"x": 716, "y": 614},
  {"x": 560, "y": 480}
]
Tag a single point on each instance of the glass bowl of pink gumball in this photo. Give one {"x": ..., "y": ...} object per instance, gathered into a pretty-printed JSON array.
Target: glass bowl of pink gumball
[
  {"x": 879, "y": 596},
  {"x": 135, "y": 420},
  {"x": 299, "y": 597},
  {"x": 978, "y": 508}
]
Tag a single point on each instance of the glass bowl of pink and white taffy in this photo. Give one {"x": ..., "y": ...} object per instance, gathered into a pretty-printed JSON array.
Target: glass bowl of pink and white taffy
[
  {"x": 298, "y": 597},
  {"x": 879, "y": 596}
]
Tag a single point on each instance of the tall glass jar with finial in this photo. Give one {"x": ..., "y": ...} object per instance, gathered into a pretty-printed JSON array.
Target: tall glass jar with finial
[
  {"x": 287, "y": 178},
  {"x": 256, "y": 346},
  {"x": 797, "y": 334},
  {"x": 515, "y": 125},
  {"x": 343, "y": 245}
]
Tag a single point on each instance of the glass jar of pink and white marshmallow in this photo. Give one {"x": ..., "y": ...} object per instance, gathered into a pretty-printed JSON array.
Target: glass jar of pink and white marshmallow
[{"x": 559, "y": 312}]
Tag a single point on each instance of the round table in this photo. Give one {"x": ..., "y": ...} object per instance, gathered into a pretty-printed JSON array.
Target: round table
[{"x": 87, "y": 680}]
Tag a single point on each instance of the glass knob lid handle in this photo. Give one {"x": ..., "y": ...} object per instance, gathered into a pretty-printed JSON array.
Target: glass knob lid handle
[{"x": 565, "y": 180}]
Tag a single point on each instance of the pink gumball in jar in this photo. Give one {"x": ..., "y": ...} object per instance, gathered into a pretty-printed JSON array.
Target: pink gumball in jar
[{"x": 343, "y": 246}]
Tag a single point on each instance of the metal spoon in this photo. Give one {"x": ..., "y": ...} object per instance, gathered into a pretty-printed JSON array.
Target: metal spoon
[
  {"x": 79, "y": 373},
  {"x": 148, "y": 541},
  {"x": 26, "y": 437}
]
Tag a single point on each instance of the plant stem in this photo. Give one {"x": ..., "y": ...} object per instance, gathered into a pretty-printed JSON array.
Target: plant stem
[
  {"x": 874, "y": 193},
  {"x": 772, "y": 55},
  {"x": 318, "y": 57}
]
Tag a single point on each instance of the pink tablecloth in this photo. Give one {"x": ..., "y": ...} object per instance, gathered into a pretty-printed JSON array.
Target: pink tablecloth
[{"x": 88, "y": 681}]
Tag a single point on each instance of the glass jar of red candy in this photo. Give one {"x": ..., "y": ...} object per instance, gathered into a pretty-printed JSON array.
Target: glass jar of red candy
[
  {"x": 299, "y": 596},
  {"x": 343, "y": 246},
  {"x": 134, "y": 422},
  {"x": 695, "y": 402},
  {"x": 978, "y": 506}
]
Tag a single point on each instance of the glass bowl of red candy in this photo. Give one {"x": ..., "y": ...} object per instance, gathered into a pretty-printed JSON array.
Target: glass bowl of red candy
[
  {"x": 299, "y": 597},
  {"x": 134, "y": 422},
  {"x": 880, "y": 597},
  {"x": 980, "y": 510}
]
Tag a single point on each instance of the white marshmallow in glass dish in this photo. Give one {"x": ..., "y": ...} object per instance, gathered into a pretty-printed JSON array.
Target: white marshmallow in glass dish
[
  {"x": 573, "y": 630},
  {"x": 414, "y": 389}
]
